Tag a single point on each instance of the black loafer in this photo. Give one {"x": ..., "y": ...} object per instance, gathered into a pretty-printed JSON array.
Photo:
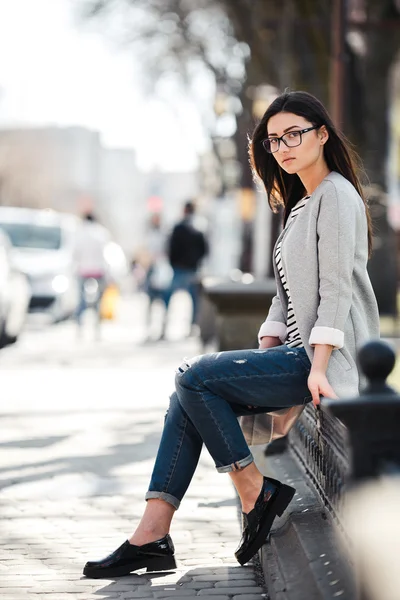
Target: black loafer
[
  {"x": 257, "y": 523},
  {"x": 156, "y": 556}
]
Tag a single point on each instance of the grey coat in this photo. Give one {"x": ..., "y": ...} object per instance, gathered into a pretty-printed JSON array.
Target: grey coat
[{"x": 324, "y": 257}]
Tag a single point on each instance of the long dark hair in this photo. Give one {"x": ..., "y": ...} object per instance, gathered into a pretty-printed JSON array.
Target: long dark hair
[{"x": 285, "y": 189}]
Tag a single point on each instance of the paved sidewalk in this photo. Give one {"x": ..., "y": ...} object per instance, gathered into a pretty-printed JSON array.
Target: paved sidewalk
[{"x": 78, "y": 439}]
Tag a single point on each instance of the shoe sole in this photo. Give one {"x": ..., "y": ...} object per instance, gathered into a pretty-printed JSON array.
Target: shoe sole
[
  {"x": 158, "y": 563},
  {"x": 277, "y": 507}
]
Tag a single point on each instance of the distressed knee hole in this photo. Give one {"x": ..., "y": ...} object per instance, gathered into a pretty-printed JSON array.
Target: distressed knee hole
[{"x": 183, "y": 368}]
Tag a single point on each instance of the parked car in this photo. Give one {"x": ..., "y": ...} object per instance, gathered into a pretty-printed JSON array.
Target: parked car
[
  {"x": 43, "y": 242},
  {"x": 14, "y": 295}
]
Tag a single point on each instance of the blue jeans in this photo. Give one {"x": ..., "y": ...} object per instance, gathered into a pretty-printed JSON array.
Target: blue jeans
[
  {"x": 83, "y": 305},
  {"x": 212, "y": 390},
  {"x": 184, "y": 279}
]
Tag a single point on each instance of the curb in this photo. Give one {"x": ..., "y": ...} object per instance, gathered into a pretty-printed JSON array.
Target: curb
[{"x": 301, "y": 559}]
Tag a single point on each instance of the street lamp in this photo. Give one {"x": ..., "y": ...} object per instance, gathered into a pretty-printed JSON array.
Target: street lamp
[{"x": 339, "y": 20}]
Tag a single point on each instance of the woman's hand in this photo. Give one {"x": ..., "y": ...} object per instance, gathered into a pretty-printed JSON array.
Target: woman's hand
[{"x": 319, "y": 385}]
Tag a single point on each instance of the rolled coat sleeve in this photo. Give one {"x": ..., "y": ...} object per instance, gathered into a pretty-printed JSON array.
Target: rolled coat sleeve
[
  {"x": 275, "y": 323},
  {"x": 336, "y": 230}
]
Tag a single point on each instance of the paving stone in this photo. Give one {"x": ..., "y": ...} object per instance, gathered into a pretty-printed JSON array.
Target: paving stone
[
  {"x": 216, "y": 597},
  {"x": 132, "y": 597},
  {"x": 9, "y": 582},
  {"x": 195, "y": 561},
  {"x": 223, "y": 577},
  {"x": 190, "y": 597},
  {"x": 232, "y": 591},
  {"x": 199, "y": 585},
  {"x": 174, "y": 593},
  {"x": 76, "y": 470},
  {"x": 117, "y": 588},
  {"x": 23, "y": 592},
  {"x": 248, "y": 596},
  {"x": 235, "y": 583}
]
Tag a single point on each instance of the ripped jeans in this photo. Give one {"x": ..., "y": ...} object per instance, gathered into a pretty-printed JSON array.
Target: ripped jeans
[{"x": 212, "y": 390}]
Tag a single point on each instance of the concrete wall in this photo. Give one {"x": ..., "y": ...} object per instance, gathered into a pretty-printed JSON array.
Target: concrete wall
[
  {"x": 121, "y": 202},
  {"x": 68, "y": 169}
]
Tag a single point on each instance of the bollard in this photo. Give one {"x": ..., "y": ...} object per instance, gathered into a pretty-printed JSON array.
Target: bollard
[
  {"x": 370, "y": 512},
  {"x": 373, "y": 418}
]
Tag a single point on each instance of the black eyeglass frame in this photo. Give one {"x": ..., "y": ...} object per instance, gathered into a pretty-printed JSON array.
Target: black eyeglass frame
[{"x": 280, "y": 139}]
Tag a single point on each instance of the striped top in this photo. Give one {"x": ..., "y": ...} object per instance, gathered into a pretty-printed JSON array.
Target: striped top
[{"x": 293, "y": 339}]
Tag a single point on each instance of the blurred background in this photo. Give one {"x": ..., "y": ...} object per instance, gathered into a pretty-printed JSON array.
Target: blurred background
[
  {"x": 126, "y": 109},
  {"x": 114, "y": 116}
]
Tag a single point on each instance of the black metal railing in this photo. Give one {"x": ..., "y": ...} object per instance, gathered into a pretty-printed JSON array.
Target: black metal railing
[
  {"x": 354, "y": 441},
  {"x": 319, "y": 442}
]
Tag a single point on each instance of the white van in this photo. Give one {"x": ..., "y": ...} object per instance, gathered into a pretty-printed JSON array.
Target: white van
[
  {"x": 43, "y": 243},
  {"x": 14, "y": 295}
]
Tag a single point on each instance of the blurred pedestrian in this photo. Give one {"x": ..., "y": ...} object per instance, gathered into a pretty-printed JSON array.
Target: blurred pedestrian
[
  {"x": 159, "y": 272},
  {"x": 138, "y": 275},
  {"x": 324, "y": 309},
  {"x": 90, "y": 259},
  {"x": 186, "y": 249}
]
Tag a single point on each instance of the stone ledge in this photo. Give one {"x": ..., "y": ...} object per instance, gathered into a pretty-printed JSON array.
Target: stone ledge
[
  {"x": 301, "y": 559},
  {"x": 239, "y": 310},
  {"x": 237, "y": 297}
]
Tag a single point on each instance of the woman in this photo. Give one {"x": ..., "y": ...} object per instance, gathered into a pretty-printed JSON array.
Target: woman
[{"x": 324, "y": 309}]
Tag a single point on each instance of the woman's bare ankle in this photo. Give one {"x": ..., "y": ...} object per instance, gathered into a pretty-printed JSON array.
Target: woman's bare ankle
[
  {"x": 155, "y": 522},
  {"x": 142, "y": 537},
  {"x": 248, "y": 501},
  {"x": 248, "y": 483}
]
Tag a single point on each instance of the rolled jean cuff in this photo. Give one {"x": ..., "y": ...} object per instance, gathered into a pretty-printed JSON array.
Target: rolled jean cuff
[
  {"x": 163, "y": 496},
  {"x": 236, "y": 466}
]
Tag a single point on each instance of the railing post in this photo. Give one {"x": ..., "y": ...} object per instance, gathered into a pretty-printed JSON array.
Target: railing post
[
  {"x": 373, "y": 418},
  {"x": 370, "y": 513}
]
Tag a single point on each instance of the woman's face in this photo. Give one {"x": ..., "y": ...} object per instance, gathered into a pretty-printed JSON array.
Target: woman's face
[{"x": 302, "y": 157}]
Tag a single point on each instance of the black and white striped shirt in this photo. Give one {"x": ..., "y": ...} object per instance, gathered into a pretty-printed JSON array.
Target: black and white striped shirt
[{"x": 293, "y": 339}]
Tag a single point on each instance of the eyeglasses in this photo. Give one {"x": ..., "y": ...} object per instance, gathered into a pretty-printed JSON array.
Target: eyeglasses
[{"x": 290, "y": 139}]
